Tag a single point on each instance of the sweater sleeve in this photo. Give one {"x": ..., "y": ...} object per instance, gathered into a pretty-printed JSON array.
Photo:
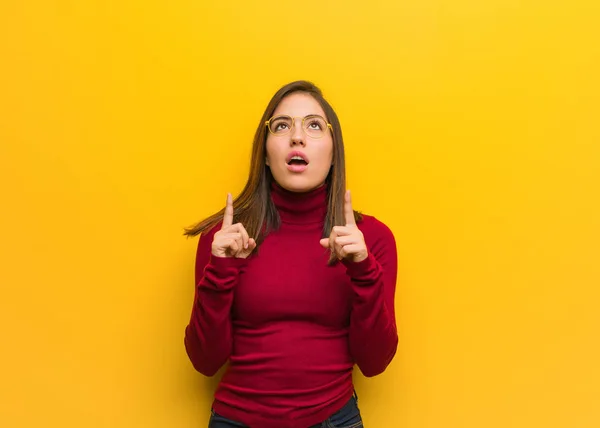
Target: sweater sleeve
[
  {"x": 208, "y": 336},
  {"x": 373, "y": 335}
]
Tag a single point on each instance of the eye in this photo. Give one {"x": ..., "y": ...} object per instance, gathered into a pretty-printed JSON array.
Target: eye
[
  {"x": 280, "y": 125},
  {"x": 315, "y": 124}
]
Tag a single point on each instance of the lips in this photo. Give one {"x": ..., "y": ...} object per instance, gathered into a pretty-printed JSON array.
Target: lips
[
  {"x": 296, "y": 157},
  {"x": 296, "y": 161}
]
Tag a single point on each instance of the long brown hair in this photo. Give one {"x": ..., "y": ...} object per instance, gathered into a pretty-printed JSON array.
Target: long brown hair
[{"x": 254, "y": 207}]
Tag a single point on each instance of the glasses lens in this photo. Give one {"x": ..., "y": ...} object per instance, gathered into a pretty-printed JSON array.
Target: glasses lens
[
  {"x": 280, "y": 125},
  {"x": 315, "y": 126}
]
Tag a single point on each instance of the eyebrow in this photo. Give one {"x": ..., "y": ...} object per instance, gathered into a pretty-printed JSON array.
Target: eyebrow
[{"x": 305, "y": 117}]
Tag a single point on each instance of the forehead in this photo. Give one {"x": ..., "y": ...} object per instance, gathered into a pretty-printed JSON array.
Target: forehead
[{"x": 299, "y": 104}]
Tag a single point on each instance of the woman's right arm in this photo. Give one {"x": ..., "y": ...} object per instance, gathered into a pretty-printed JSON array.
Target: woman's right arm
[
  {"x": 208, "y": 334},
  {"x": 221, "y": 255}
]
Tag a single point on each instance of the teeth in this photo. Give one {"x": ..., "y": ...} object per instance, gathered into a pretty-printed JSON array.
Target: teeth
[{"x": 297, "y": 158}]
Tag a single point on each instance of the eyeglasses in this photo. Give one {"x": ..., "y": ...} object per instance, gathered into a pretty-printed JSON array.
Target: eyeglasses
[{"x": 313, "y": 125}]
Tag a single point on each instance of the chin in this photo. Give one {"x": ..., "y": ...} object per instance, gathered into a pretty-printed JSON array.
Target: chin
[{"x": 299, "y": 186}]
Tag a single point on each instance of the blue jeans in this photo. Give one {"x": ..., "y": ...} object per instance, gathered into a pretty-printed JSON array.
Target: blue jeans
[{"x": 347, "y": 417}]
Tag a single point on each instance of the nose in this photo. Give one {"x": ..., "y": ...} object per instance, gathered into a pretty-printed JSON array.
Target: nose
[{"x": 297, "y": 135}]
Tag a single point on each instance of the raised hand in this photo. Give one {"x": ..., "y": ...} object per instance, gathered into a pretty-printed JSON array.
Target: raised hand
[
  {"x": 232, "y": 240},
  {"x": 347, "y": 242}
]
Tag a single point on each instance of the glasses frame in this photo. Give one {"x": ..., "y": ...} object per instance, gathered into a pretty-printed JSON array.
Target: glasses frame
[{"x": 268, "y": 125}]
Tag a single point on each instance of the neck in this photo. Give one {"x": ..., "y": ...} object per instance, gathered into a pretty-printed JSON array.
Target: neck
[{"x": 300, "y": 207}]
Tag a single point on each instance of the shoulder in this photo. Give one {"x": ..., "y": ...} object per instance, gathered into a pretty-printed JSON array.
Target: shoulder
[
  {"x": 206, "y": 237},
  {"x": 375, "y": 231}
]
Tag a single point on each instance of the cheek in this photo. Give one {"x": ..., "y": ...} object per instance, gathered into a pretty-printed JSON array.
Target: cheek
[
  {"x": 269, "y": 150},
  {"x": 273, "y": 151},
  {"x": 328, "y": 153}
]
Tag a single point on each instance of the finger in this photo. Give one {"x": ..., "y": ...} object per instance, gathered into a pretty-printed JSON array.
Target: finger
[
  {"x": 245, "y": 253},
  {"x": 348, "y": 211},
  {"x": 330, "y": 245},
  {"x": 343, "y": 230},
  {"x": 228, "y": 215},
  {"x": 232, "y": 235},
  {"x": 233, "y": 246},
  {"x": 345, "y": 240},
  {"x": 349, "y": 250},
  {"x": 238, "y": 228},
  {"x": 337, "y": 248},
  {"x": 332, "y": 237},
  {"x": 245, "y": 237}
]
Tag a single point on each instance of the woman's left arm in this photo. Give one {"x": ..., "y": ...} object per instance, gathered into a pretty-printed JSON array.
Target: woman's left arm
[
  {"x": 373, "y": 333},
  {"x": 372, "y": 267}
]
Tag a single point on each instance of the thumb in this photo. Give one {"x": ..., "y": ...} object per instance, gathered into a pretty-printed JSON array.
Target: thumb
[
  {"x": 245, "y": 253},
  {"x": 324, "y": 242}
]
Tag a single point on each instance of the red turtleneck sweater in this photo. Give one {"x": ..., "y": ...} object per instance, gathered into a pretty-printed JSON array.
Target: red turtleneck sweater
[{"x": 291, "y": 326}]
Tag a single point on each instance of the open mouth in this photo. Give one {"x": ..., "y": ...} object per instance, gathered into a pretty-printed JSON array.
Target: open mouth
[{"x": 297, "y": 160}]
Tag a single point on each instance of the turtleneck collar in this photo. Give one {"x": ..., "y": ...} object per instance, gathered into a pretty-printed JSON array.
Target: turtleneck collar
[{"x": 300, "y": 208}]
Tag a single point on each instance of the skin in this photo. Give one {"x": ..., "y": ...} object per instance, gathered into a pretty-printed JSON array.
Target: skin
[
  {"x": 318, "y": 150},
  {"x": 346, "y": 242},
  {"x": 232, "y": 240}
]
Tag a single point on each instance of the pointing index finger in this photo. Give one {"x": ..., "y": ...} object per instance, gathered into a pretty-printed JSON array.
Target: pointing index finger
[
  {"x": 348, "y": 211},
  {"x": 228, "y": 216}
]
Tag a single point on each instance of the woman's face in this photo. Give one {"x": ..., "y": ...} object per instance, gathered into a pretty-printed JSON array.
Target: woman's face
[{"x": 294, "y": 174}]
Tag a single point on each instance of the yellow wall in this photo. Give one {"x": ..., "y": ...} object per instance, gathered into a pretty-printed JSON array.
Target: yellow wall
[{"x": 472, "y": 129}]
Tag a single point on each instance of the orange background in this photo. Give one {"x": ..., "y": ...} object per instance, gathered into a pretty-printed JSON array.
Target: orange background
[{"x": 472, "y": 130}]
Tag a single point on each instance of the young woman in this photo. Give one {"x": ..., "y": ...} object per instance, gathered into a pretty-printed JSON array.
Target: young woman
[{"x": 293, "y": 287}]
